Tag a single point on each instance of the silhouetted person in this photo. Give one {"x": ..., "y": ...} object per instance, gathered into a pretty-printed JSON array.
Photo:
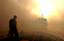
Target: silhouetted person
[{"x": 13, "y": 28}]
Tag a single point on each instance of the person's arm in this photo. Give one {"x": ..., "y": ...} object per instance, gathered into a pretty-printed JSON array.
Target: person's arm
[{"x": 9, "y": 22}]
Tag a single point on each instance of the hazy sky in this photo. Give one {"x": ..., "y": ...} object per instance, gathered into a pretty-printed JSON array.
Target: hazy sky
[{"x": 47, "y": 8}]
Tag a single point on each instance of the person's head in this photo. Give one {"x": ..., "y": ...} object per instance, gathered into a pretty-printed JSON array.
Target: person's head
[{"x": 14, "y": 17}]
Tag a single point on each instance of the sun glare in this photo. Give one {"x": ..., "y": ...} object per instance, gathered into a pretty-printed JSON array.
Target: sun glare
[{"x": 42, "y": 7}]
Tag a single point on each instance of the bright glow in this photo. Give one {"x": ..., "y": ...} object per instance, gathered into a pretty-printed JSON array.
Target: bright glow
[
  {"x": 35, "y": 7},
  {"x": 45, "y": 7},
  {"x": 42, "y": 7}
]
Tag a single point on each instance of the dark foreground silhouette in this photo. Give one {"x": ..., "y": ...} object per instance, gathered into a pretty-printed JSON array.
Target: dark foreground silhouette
[
  {"x": 34, "y": 38},
  {"x": 13, "y": 29}
]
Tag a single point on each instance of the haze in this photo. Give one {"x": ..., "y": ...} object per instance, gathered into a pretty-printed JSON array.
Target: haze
[{"x": 26, "y": 18}]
